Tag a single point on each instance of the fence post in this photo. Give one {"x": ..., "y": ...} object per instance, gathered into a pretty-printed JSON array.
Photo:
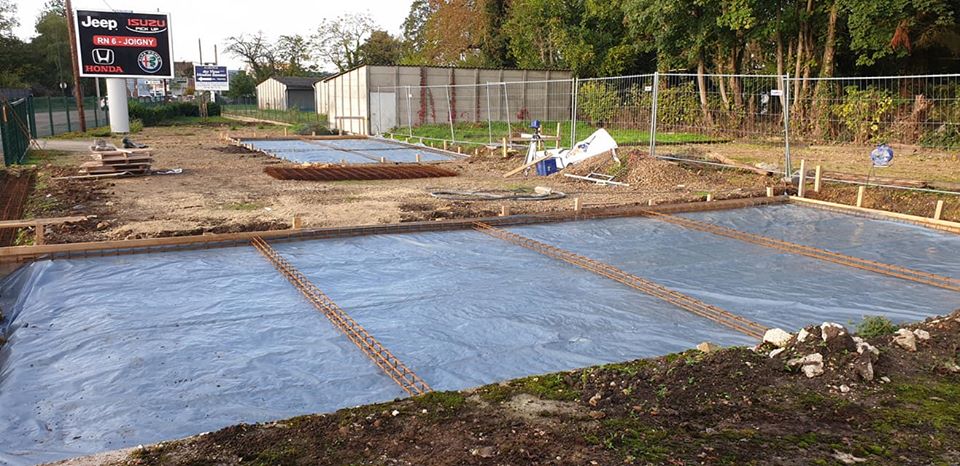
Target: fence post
[
  {"x": 653, "y": 114},
  {"x": 453, "y": 135},
  {"x": 573, "y": 111},
  {"x": 96, "y": 118},
  {"x": 5, "y": 133},
  {"x": 788, "y": 168},
  {"x": 66, "y": 106},
  {"x": 50, "y": 113},
  {"x": 32, "y": 116},
  {"x": 409, "y": 114},
  {"x": 489, "y": 120},
  {"x": 506, "y": 103},
  {"x": 379, "y": 112}
]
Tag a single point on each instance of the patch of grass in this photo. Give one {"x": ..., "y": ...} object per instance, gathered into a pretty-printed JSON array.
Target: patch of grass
[
  {"x": 550, "y": 387},
  {"x": 875, "y": 326},
  {"x": 621, "y": 168},
  {"x": 445, "y": 400},
  {"x": 43, "y": 157},
  {"x": 276, "y": 456},
  {"x": 496, "y": 393},
  {"x": 632, "y": 438},
  {"x": 194, "y": 121},
  {"x": 481, "y": 133},
  {"x": 627, "y": 368},
  {"x": 243, "y": 206},
  {"x": 100, "y": 132}
]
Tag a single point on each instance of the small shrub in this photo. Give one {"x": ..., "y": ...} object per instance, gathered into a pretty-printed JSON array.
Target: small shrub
[
  {"x": 598, "y": 102},
  {"x": 863, "y": 112},
  {"x": 875, "y": 326}
]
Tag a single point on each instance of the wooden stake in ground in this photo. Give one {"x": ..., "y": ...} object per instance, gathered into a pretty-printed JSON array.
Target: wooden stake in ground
[
  {"x": 577, "y": 206},
  {"x": 769, "y": 192},
  {"x": 860, "y": 192},
  {"x": 801, "y": 185},
  {"x": 938, "y": 214},
  {"x": 504, "y": 147},
  {"x": 558, "y": 136},
  {"x": 817, "y": 179}
]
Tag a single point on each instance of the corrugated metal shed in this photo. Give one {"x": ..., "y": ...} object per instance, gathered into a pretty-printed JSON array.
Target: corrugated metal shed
[{"x": 286, "y": 93}]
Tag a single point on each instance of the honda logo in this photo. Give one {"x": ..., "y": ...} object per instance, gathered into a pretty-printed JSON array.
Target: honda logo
[{"x": 103, "y": 56}]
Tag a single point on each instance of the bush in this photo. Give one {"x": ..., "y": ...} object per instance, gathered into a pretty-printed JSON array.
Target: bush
[
  {"x": 875, "y": 326},
  {"x": 597, "y": 101},
  {"x": 863, "y": 113},
  {"x": 153, "y": 115}
]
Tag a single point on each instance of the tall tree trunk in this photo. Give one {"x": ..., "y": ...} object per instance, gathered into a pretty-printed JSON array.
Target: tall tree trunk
[
  {"x": 780, "y": 64},
  {"x": 737, "y": 64},
  {"x": 702, "y": 87},
  {"x": 723, "y": 85},
  {"x": 826, "y": 67}
]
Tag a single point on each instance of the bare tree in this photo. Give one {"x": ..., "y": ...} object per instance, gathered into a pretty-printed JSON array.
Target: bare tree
[
  {"x": 8, "y": 17},
  {"x": 257, "y": 52},
  {"x": 339, "y": 41}
]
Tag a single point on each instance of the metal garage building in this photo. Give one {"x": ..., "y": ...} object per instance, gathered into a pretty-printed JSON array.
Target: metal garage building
[
  {"x": 287, "y": 93},
  {"x": 373, "y": 99}
]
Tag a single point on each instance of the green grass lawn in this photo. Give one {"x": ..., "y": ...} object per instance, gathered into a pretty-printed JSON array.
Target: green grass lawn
[{"x": 480, "y": 133}]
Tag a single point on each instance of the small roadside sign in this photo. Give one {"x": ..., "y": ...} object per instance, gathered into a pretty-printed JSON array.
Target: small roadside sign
[{"x": 211, "y": 78}]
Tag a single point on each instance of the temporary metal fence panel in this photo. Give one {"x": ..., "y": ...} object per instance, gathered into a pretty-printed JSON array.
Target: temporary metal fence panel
[
  {"x": 57, "y": 115},
  {"x": 855, "y": 115},
  {"x": 248, "y": 107},
  {"x": 15, "y": 129}
]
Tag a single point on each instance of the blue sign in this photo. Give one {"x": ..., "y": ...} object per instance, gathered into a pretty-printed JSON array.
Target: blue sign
[
  {"x": 211, "y": 78},
  {"x": 882, "y": 156}
]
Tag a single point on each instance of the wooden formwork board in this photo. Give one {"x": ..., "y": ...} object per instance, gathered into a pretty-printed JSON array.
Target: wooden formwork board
[
  {"x": 942, "y": 225},
  {"x": 142, "y": 246}
]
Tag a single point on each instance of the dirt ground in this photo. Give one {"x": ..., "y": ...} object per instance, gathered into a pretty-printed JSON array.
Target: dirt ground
[
  {"x": 223, "y": 189},
  {"x": 733, "y": 406},
  {"x": 910, "y": 162}
]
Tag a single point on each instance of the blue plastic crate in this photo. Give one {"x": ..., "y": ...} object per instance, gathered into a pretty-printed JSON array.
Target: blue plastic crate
[{"x": 547, "y": 167}]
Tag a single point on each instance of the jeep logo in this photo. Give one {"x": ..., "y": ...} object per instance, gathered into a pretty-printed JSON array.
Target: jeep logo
[{"x": 110, "y": 24}]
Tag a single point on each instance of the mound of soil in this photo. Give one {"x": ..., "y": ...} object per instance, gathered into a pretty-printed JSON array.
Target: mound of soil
[{"x": 732, "y": 406}]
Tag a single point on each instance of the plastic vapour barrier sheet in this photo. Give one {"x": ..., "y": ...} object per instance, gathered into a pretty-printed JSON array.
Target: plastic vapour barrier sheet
[
  {"x": 464, "y": 309},
  {"x": 303, "y": 152},
  {"x": 767, "y": 286},
  {"x": 348, "y": 150},
  {"x": 110, "y": 353},
  {"x": 895, "y": 243}
]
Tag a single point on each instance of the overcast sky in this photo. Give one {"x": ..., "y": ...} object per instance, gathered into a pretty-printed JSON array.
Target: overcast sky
[{"x": 214, "y": 20}]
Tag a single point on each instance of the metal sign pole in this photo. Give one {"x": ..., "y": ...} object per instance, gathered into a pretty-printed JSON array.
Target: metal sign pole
[
  {"x": 653, "y": 114},
  {"x": 489, "y": 117},
  {"x": 453, "y": 135},
  {"x": 788, "y": 168},
  {"x": 117, "y": 101}
]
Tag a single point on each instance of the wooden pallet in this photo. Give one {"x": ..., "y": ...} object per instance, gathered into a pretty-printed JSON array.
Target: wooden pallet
[{"x": 135, "y": 162}]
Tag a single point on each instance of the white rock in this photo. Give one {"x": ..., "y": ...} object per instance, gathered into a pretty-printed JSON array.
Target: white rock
[
  {"x": 906, "y": 339},
  {"x": 921, "y": 334},
  {"x": 803, "y": 335},
  {"x": 885, "y": 379},
  {"x": 847, "y": 458},
  {"x": 844, "y": 389},
  {"x": 707, "y": 347},
  {"x": 777, "y": 337},
  {"x": 777, "y": 352},
  {"x": 863, "y": 347},
  {"x": 830, "y": 330},
  {"x": 811, "y": 365},
  {"x": 395, "y": 413}
]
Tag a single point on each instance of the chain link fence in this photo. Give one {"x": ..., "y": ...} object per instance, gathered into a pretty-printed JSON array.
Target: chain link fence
[{"x": 56, "y": 115}]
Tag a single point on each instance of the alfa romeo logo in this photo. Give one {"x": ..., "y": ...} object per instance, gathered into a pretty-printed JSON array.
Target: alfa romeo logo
[{"x": 150, "y": 61}]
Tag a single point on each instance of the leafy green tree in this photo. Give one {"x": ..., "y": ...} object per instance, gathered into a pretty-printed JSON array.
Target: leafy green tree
[
  {"x": 242, "y": 85},
  {"x": 381, "y": 48}
]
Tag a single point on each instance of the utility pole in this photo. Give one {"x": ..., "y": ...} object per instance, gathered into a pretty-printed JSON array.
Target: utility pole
[{"x": 77, "y": 89}]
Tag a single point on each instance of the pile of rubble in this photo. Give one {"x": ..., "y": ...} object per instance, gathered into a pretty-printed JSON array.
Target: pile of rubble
[{"x": 831, "y": 349}]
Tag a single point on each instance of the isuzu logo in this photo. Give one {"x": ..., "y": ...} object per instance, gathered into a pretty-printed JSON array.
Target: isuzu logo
[
  {"x": 110, "y": 24},
  {"x": 103, "y": 56},
  {"x": 147, "y": 26}
]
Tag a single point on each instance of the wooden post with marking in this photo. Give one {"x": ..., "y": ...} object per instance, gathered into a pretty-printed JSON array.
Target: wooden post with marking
[
  {"x": 938, "y": 214},
  {"x": 418, "y": 157},
  {"x": 383, "y": 160},
  {"x": 818, "y": 179},
  {"x": 769, "y": 191},
  {"x": 504, "y": 147},
  {"x": 504, "y": 210},
  {"x": 803, "y": 179},
  {"x": 709, "y": 197},
  {"x": 41, "y": 234},
  {"x": 860, "y": 192},
  {"x": 444, "y": 144},
  {"x": 577, "y": 206},
  {"x": 297, "y": 222}
]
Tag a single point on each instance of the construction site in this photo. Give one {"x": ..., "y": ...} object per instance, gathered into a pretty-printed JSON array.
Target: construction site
[{"x": 442, "y": 265}]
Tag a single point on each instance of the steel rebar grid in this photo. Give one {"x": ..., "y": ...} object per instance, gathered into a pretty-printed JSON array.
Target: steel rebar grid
[
  {"x": 896, "y": 271},
  {"x": 383, "y": 358},
  {"x": 675, "y": 298}
]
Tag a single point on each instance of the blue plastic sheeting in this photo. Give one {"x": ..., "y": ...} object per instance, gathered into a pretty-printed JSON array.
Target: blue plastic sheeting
[
  {"x": 348, "y": 150},
  {"x": 464, "y": 309},
  {"x": 406, "y": 155},
  {"x": 773, "y": 288},
  {"x": 886, "y": 241},
  {"x": 114, "y": 352}
]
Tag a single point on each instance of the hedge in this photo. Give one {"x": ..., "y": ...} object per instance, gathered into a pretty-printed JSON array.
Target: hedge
[{"x": 153, "y": 115}]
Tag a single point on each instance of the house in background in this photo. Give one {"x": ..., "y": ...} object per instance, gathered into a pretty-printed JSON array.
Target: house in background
[{"x": 287, "y": 93}]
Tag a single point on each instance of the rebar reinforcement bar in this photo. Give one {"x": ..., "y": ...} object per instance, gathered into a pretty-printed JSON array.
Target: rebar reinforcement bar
[
  {"x": 390, "y": 364},
  {"x": 687, "y": 303},
  {"x": 897, "y": 271}
]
